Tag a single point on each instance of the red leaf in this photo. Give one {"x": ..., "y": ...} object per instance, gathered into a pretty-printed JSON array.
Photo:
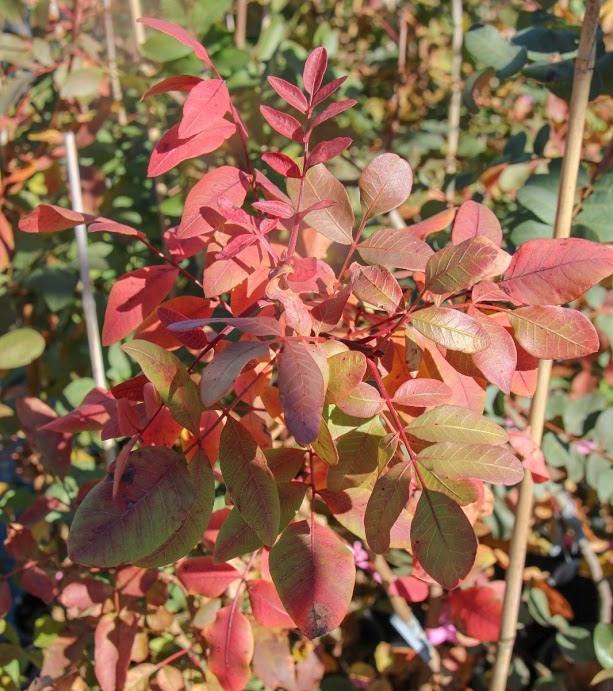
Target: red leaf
[
  {"x": 475, "y": 219},
  {"x": 397, "y": 248},
  {"x": 422, "y": 393},
  {"x": 39, "y": 583},
  {"x": 154, "y": 328},
  {"x": 48, "y": 218},
  {"x": 266, "y": 606},
  {"x": 284, "y": 124},
  {"x": 256, "y": 326},
  {"x": 282, "y": 164},
  {"x": 178, "y": 82},
  {"x": 314, "y": 70},
  {"x": 329, "y": 311},
  {"x": 85, "y": 593},
  {"x": 328, "y": 149},
  {"x": 54, "y": 447},
  {"x": 478, "y": 610},
  {"x": 237, "y": 245},
  {"x": 314, "y": 573},
  {"x": 230, "y": 641},
  {"x": 133, "y": 389},
  {"x": 275, "y": 208},
  {"x": 498, "y": 361},
  {"x": 106, "y": 226},
  {"x": 225, "y": 181},
  {"x": 90, "y": 415},
  {"x": 432, "y": 224},
  {"x": 555, "y": 271},
  {"x": 332, "y": 111},
  {"x": 202, "y": 577},
  {"x": 410, "y": 588},
  {"x": 327, "y": 90},
  {"x": 301, "y": 387},
  {"x": 171, "y": 149},
  {"x": 113, "y": 643},
  {"x": 206, "y": 103},
  {"x": 376, "y": 286},
  {"x": 133, "y": 297},
  {"x": 289, "y": 93},
  {"x": 180, "y": 34}
]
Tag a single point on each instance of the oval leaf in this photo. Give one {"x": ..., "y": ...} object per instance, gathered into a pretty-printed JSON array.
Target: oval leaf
[
  {"x": 314, "y": 573},
  {"x": 457, "y": 424},
  {"x": 475, "y": 219},
  {"x": 395, "y": 248},
  {"x": 20, "y": 347},
  {"x": 385, "y": 184},
  {"x": 231, "y": 646},
  {"x": 450, "y": 328},
  {"x": 389, "y": 497},
  {"x": 443, "y": 540},
  {"x": 200, "y": 576},
  {"x": 422, "y": 393},
  {"x": 376, "y": 286}
]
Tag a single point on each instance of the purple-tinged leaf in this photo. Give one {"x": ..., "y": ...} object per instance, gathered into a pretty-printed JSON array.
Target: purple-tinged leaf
[
  {"x": 327, "y": 90},
  {"x": 282, "y": 164},
  {"x": 376, "y": 286},
  {"x": 256, "y": 326},
  {"x": 314, "y": 70},
  {"x": 422, "y": 393},
  {"x": 385, "y": 184}
]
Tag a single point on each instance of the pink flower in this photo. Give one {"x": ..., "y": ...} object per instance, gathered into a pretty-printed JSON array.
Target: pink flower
[{"x": 442, "y": 634}]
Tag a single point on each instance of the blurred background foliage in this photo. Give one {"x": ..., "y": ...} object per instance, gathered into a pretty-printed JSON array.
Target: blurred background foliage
[{"x": 57, "y": 74}]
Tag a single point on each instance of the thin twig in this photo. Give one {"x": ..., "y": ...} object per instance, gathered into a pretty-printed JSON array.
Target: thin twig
[{"x": 584, "y": 66}]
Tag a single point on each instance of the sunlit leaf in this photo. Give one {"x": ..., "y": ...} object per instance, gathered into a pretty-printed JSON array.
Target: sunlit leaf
[
  {"x": 450, "y": 328},
  {"x": 385, "y": 183},
  {"x": 389, "y": 497},
  {"x": 456, "y": 424}
]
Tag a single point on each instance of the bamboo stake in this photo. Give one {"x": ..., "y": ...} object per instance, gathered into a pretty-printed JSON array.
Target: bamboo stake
[
  {"x": 453, "y": 132},
  {"x": 87, "y": 293},
  {"x": 582, "y": 78},
  {"x": 240, "y": 32},
  {"x": 111, "y": 53}
]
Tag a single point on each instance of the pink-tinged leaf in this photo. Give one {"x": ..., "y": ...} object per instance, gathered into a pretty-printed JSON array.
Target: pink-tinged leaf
[
  {"x": 231, "y": 644},
  {"x": 332, "y": 111},
  {"x": 555, "y": 271},
  {"x": 295, "y": 312},
  {"x": 180, "y": 34},
  {"x": 314, "y": 70},
  {"x": 205, "y": 104},
  {"x": 498, "y": 361},
  {"x": 314, "y": 573},
  {"x": 219, "y": 375},
  {"x": 172, "y": 149},
  {"x": 201, "y": 212},
  {"x": 363, "y": 401},
  {"x": 155, "y": 327},
  {"x": 282, "y": 164},
  {"x": 432, "y": 224},
  {"x": 488, "y": 291},
  {"x": 54, "y": 447},
  {"x": 327, "y": 314},
  {"x": 451, "y": 328},
  {"x": 457, "y": 267},
  {"x": 475, "y": 219},
  {"x": 48, "y": 218},
  {"x": 422, "y": 393},
  {"x": 346, "y": 371},
  {"x": 200, "y": 576},
  {"x": 289, "y": 93},
  {"x": 284, "y": 124},
  {"x": 105, "y": 226},
  {"x": 389, "y": 497},
  {"x": 410, "y": 588},
  {"x": 454, "y": 423},
  {"x": 249, "y": 481},
  {"x": 133, "y": 389},
  {"x": 477, "y": 611},
  {"x": 234, "y": 213},
  {"x": 443, "y": 540},
  {"x": 326, "y": 150},
  {"x": 554, "y": 332},
  {"x": 170, "y": 379},
  {"x": 266, "y": 605},
  {"x": 327, "y": 90},
  {"x": 256, "y": 326},
  {"x": 90, "y": 415},
  {"x": 335, "y": 222},
  {"x": 349, "y": 508},
  {"x": 274, "y": 208},
  {"x": 178, "y": 82},
  {"x": 133, "y": 297},
  {"x": 533, "y": 457},
  {"x": 494, "y": 464},
  {"x": 301, "y": 387},
  {"x": 236, "y": 245},
  {"x": 155, "y": 492},
  {"x": 395, "y": 248},
  {"x": 113, "y": 641},
  {"x": 377, "y": 287},
  {"x": 385, "y": 184}
]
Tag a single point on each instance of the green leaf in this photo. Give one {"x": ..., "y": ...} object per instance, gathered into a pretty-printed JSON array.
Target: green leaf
[
  {"x": 249, "y": 480},
  {"x": 488, "y": 47},
  {"x": 462, "y": 491},
  {"x": 324, "y": 445},
  {"x": 155, "y": 493},
  {"x": 389, "y": 497},
  {"x": 603, "y": 644},
  {"x": 474, "y": 461},
  {"x": 450, "y": 328},
  {"x": 171, "y": 380},
  {"x": 454, "y": 423},
  {"x": 271, "y": 38},
  {"x": 576, "y": 644},
  {"x": 195, "y": 520},
  {"x": 236, "y": 537},
  {"x": 20, "y": 347},
  {"x": 346, "y": 372},
  {"x": 163, "y": 48},
  {"x": 82, "y": 83},
  {"x": 443, "y": 539}
]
